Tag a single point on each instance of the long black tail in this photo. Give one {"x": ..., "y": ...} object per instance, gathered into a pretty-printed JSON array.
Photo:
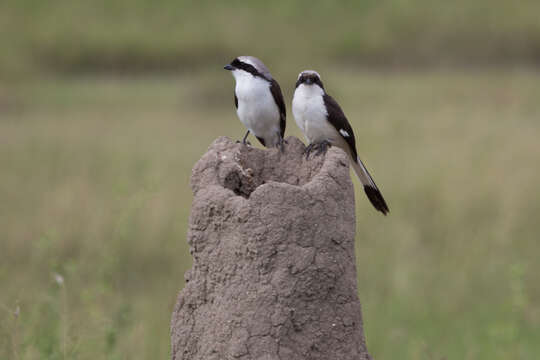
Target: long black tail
[{"x": 372, "y": 191}]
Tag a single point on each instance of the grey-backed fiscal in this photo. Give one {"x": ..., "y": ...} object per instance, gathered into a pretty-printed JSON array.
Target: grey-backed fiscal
[
  {"x": 324, "y": 124},
  {"x": 259, "y": 101}
]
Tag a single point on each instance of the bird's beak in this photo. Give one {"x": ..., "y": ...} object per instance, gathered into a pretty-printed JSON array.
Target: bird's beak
[
  {"x": 228, "y": 67},
  {"x": 309, "y": 81}
]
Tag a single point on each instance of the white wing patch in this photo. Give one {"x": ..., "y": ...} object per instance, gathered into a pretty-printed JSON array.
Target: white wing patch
[{"x": 344, "y": 133}]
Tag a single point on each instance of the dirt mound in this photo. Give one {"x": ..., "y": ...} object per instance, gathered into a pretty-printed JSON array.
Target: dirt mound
[{"x": 272, "y": 240}]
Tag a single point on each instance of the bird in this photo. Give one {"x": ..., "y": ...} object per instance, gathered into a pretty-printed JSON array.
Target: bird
[
  {"x": 259, "y": 101},
  {"x": 324, "y": 124}
]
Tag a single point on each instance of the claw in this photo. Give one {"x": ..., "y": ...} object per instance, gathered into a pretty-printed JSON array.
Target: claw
[
  {"x": 322, "y": 147},
  {"x": 308, "y": 150}
]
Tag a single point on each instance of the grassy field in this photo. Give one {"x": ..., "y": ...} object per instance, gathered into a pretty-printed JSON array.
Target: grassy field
[
  {"x": 95, "y": 189},
  {"x": 177, "y": 35},
  {"x": 106, "y": 105}
]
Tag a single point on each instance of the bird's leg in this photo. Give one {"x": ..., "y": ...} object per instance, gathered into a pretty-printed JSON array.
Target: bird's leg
[
  {"x": 309, "y": 148},
  {"x": 281, "y": 143},
  {"x": 322, "y": 147},
  {"x": 245, "y": 138},
  {"x": 244, "y": 142}
]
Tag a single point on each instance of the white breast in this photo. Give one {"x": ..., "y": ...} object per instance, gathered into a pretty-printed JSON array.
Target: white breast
[
  {"x": 310, "y": 114},
  {"x": 257, "y": 108}
]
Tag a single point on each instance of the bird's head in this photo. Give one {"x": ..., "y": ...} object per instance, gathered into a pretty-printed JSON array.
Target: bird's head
[
  {"x": 245, "y": 65},
  {"x": 309, "y": 78}
]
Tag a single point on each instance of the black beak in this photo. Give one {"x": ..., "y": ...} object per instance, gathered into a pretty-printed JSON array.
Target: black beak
[
  {"x": 309, "y": 81},
  {"x": 228, "y": 67}
]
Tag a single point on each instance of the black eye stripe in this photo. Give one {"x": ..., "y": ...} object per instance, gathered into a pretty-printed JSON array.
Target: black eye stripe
[
  {"x": 247, "y": 67},
  {"x": 316, "y": 80}
]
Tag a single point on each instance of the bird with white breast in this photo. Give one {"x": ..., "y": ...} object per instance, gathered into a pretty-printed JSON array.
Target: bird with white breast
[
  {"x": 259, "y": 101},
  {"x": 324, "y": 124}
]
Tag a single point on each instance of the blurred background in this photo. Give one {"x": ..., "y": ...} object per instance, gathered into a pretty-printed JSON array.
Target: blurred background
[{"x": 106, "y": 105}]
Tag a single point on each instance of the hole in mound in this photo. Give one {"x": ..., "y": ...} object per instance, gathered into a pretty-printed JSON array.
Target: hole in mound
[
  {"x": 254, "y": 167},
  {"x": 241, "y": 184}
]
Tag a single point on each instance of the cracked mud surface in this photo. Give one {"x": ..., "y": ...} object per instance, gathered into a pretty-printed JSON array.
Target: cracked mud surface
[{"x": 273, "y": 276}]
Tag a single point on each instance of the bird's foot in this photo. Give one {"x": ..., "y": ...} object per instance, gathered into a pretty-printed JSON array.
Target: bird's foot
[
  {"x": 309, "y": 149},
  {"x": 322, "y": 147},
  {"x": 244, "y": 139}
]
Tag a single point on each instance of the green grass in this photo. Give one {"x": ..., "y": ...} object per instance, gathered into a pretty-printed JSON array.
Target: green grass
[
  {"x": 175, "y": 35},
  {"x": 95, "y": 187},
  {"x": 95, "y": 165}
]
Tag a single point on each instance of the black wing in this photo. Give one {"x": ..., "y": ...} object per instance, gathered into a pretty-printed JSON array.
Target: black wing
[
  {"x": 340, "y": 122},
  {"x": 278, "y": 98},
  {"x": 337, "y": 118},
  {"x": 235, "y": 100}
]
